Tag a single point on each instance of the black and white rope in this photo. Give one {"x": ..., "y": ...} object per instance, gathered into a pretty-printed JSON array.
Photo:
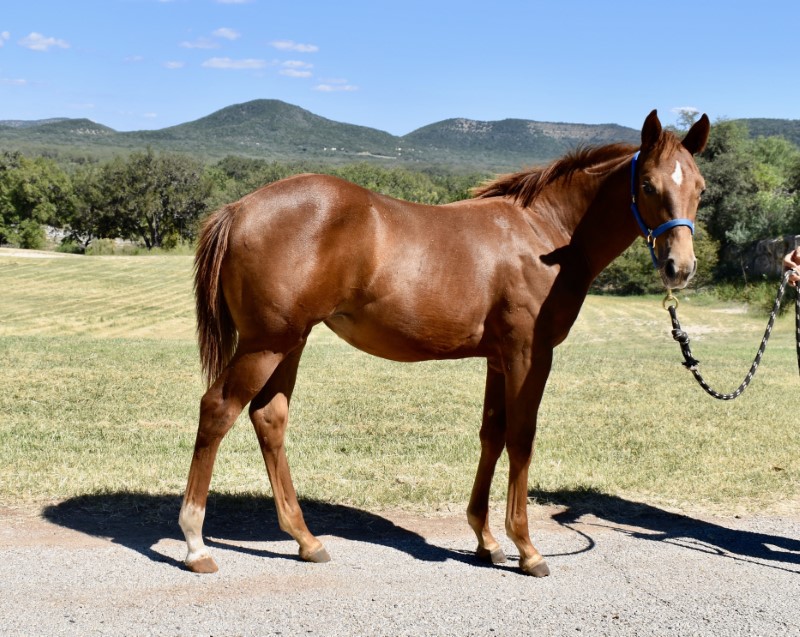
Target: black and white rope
[{"x": 692, "y": 363}]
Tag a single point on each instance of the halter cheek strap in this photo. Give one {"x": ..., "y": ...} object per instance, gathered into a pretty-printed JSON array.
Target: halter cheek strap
[{"x": 652, "y": 235}]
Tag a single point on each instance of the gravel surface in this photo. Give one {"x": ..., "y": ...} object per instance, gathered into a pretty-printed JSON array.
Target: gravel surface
[{"x": 99, "y": 566}]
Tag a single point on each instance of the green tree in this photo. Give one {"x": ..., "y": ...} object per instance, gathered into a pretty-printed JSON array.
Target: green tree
[
  {"x": 749, "y": 195},
  {"x": 687, "y": 116},
  {"x": 157, "y": 199},
  {"x": 730, "y": 203},
  {"x": 421, "y": 187},
  {"x": 34, "y": 193},
  {"x": 91, "y": 219}
]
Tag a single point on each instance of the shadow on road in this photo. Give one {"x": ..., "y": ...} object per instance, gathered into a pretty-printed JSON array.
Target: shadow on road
[
  {"x": 644, "y": 521},
  {"x": 139, "y": 521}
]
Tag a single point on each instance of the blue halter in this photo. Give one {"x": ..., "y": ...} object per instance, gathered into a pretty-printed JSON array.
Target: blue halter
[{"x": 652, "y": 235}]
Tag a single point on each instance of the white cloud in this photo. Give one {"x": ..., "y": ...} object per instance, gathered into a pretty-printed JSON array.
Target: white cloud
[
  {"x": 227, "y": 34},
  {"x": 5, "y": 35},
  {"x": 228, "y": 63},
  {"x": 174, "y": 65},
  {"x": 200, "y": 43},
  {"x": 9, "y": 81},
  {"x": 209, "y": 43},
  {"x": 291, "y": 45},
  {"x": 296, "y": 68},
  {"x": 333, "y": 88},
  {"x": 133, "y": 59},
  {"x": 294, "y": 73},
  {"x": 38, "y": 42}
]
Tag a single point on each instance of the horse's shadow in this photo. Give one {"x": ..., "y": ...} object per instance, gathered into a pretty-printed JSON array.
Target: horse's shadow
[
  {"x": 647, "y": 522},
  {"x": 139, "y": 521}
]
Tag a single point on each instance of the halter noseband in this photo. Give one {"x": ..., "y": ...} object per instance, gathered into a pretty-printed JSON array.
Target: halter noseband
[{"x": 652, "y": 235}]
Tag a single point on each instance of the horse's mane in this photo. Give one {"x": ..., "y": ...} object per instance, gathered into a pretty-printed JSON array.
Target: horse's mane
[{"x": 526, "y": 185}]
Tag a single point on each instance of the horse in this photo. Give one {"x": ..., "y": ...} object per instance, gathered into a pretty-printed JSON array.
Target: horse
[{"x": 501, "y": 276}]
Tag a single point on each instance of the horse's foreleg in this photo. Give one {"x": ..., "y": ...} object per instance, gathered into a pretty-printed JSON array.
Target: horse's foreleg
[
  {"x": 219, "y": 408},
  {"x": 523, "y": 394},
  {"x": 492, "y": 442},
  {"x": 269, "y": 413}
]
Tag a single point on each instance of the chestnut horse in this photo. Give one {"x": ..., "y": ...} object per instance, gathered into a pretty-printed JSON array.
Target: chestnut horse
[{"x": 500, "y": 276}]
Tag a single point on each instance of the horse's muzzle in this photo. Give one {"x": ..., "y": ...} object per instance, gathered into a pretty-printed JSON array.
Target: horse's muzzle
[{"x": 676, "y": 275}]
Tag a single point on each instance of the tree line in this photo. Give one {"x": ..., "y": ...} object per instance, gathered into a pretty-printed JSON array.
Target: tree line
[{"x": 157, "y": 200}]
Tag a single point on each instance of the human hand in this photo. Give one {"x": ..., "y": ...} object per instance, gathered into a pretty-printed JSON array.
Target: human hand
[{"x": 792, "y": 262}]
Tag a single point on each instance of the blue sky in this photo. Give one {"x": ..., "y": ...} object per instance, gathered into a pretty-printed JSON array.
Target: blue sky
[{"x": 398, "y": 65}]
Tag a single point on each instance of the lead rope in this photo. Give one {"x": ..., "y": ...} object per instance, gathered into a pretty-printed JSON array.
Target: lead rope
[{"x": 691, "y": 363}]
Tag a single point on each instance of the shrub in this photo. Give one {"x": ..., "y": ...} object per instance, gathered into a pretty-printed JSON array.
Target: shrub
[{"x": 31, "y": 235}]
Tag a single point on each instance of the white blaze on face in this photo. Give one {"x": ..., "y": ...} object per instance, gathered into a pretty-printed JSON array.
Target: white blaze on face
[{"x": 677, "y": 175}]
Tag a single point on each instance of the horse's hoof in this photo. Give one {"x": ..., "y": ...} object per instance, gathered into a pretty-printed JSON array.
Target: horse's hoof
[
  {"x": 535, "y": 566},
  {"x": 317, "y": 557},
  {"x": 495, "y": 556},
  {"x": 205, "y": 564}
]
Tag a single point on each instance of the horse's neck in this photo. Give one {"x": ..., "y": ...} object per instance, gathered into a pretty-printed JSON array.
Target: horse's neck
[{"x": 603, "y": 226}]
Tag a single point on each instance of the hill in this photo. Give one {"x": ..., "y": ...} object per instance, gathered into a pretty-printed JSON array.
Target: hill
[
  {"x": 275, "y": 130},
  {"x": 27, "y": 123},
  {"x": 762, "y": 127},
  {"x": 270, "y": 128},
  {"x": 516, "y": 140}
]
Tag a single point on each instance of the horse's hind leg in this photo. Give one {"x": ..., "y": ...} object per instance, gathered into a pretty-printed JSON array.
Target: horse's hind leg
[
  {"x": 219, "y": 408},
  {"x": 269, "y": 412},
  {"x": 493, "y": 433}
]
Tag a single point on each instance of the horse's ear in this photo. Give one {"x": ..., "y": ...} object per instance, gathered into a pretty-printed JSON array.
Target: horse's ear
[
  {"x": 651, "y": 130},
  {"x": 696, "y": 138}
]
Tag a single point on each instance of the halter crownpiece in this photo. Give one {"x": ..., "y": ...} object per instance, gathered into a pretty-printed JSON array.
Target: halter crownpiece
[{"x": 652, "y": 235}]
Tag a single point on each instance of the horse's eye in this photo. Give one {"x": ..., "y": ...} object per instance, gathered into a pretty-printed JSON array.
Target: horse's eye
[{"x": 648, "y": 188}]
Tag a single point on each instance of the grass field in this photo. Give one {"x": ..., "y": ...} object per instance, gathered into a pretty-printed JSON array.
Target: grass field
[{"x": 101, "y": 383}]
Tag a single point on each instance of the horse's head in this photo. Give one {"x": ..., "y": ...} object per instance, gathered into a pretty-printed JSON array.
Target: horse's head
[{"x": 666, "y": 187}]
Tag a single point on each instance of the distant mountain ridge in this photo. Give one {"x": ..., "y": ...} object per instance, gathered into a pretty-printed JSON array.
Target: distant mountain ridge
[
  {"x": 275, "y": 130},
  {"x": 29, "y": 123}
]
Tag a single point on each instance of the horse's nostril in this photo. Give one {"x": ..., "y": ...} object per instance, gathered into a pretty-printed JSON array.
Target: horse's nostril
[{"x": 669, "y": 269}]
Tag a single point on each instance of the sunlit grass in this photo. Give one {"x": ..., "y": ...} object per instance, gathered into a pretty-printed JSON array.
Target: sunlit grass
[{"x": 101, "y": 385}]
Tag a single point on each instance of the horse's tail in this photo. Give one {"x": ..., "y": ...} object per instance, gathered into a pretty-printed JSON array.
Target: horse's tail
[{"x": 216, "y": 332}]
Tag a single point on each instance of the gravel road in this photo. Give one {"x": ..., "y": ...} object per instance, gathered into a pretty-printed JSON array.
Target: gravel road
[{"x": 110, "y": 565}]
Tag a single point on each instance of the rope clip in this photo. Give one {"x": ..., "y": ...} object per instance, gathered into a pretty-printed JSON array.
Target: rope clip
[{"x": 670, "y": 300}]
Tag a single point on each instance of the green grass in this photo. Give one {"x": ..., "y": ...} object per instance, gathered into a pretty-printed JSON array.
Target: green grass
[{"x": 101, "y": 384}]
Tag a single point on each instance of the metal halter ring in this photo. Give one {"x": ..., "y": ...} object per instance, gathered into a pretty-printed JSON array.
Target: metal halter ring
[{"x": 670, "y": 300}]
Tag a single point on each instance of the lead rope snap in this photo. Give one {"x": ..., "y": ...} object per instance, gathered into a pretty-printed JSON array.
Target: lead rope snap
[{"x": 669, "y": 300}]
